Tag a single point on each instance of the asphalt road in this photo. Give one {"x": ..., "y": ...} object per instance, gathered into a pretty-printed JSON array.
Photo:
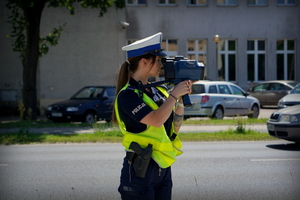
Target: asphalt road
[{"x": 207, "y": 170}]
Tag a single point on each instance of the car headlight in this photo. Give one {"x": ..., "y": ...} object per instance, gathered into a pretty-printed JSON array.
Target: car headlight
[
  {"x": 288, "y": 118},
  {"x": 49, "y": 108},
  {"x": 72, "y": 109}
]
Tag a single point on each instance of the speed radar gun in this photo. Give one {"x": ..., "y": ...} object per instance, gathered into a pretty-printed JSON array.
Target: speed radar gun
[{"x": 179, "y": 69}]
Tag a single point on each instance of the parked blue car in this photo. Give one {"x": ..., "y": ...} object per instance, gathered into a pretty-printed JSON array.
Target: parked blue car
[{"x": 90, "y": 104}]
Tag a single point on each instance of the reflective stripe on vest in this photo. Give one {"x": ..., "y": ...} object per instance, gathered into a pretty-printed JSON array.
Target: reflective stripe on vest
[{"x": 164, "y": 150}]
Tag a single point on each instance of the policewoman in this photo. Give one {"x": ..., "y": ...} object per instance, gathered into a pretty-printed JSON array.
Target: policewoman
[{"x": 149, "y": 118}]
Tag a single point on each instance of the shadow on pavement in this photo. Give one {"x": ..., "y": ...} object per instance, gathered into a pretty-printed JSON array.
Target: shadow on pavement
[{"x": 285, "y": 147}]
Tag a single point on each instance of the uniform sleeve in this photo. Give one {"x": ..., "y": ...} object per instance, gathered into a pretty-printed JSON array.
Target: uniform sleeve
[{"x": 132, "y": 105}]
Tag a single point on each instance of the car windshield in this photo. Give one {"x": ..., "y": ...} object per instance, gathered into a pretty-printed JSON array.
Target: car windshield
[
  {"x": 296, "y": 90},
  {"x": 109, "y": 92},
  {"x": 88, "y": 93},
  {"x": 293, "y": 84}
]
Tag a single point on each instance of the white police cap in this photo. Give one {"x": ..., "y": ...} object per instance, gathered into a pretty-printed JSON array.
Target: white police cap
[{"x": 149, "y": 45}]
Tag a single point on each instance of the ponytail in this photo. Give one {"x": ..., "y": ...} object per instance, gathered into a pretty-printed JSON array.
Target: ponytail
[
  {"x": 129, "y": 67},
  {"x": 123, "y": 77}
]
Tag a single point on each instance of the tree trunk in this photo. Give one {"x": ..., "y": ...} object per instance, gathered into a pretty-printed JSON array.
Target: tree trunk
[{"x": 31, "y": 56}]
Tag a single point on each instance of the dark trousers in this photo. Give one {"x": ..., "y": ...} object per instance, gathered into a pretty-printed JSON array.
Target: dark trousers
[{"x": 157, "y": 184}]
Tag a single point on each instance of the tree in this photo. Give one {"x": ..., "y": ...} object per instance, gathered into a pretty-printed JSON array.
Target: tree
[{"x": 25, "y": 20}]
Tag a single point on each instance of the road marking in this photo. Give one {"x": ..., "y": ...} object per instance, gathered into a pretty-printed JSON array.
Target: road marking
[
  {"x": 266, "y": 160},
  {"x": 3, "y": 165}
]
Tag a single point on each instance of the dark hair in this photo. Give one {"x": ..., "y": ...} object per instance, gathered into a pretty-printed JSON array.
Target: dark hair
[{"x": 125, "y": 72}]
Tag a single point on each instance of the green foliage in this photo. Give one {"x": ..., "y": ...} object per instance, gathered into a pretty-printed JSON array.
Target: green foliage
[
  {"x": 102, "y": 5},
  {"x": 240, "y": 126},
  {"x": 21, "y": 138},
  {"x": 106, "y": 132},
  {"x": 229, "y": 135},
  {"x": 51, "y": 39},
  {"x": 116, "y": 136},
  {"x": 25, "y": 19},
  {"x": 233, "y": 121},
  {"x": 42, "y": 124},
  {"x": 18, "y": 21},
  {"x": 47, "y": 123}
]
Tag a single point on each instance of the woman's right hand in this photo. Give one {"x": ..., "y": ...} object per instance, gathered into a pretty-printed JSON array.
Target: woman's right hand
[
  {"x": 158, "y": 117},
  {"x": 182, "y": 88}
]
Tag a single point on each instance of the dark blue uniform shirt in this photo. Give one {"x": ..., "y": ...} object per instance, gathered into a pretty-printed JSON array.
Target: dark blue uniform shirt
[{"x": 133, "y": 109}]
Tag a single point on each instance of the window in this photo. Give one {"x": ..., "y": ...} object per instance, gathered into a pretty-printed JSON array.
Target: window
[
  {"x": 285, "y": 59},
  {"x": 236, "y": 90},
  {"x": 227, "y": 60},
  {"x": 257, "y": 2},
  {"x": 261, "y": 88},
  {"x": 196, "y": 50},
  {"x": 198, "y": 89},
  {"x": 256, "y": 60},
  {"x": 226, "y": 2},
  {"x": 197, "y": 2},
  {"x": 170, "y": 47},
  {"x": 136, "y": 2},
  {"x": 296, "y": 90},
  {"x": 286, "y": 2},
  {"x": 213, "y": 89},
  {"x": 110, "y": 92},
  {"x": 224, "y": 89},
  {"x": 166, "y": 2}
]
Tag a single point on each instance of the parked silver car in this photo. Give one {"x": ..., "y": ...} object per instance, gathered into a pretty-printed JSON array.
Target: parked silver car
[
  {"x": 285, "y": 123},
  {"x": 269, "y": 92},
  {"x": 291, "y": 99},
  {"x": 217, "y": 99}
]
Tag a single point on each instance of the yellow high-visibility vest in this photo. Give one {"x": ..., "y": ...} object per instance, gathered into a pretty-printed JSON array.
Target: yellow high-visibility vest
[{"x": 164, "y": 150}]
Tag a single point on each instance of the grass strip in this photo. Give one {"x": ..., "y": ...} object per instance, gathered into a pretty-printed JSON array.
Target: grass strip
[
  {"x": 106, "y": 132},
  {"x": 116, "y": 137},
  {"x": 201, "y": 121},
  {"x": 41, "y": 124}
]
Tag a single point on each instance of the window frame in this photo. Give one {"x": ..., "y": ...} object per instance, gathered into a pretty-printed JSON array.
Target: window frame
[
  {"x": 165, "y": 43},
  {"x": 197, "y": 4},
  {"x": 286, "y": 3},
  {"x": 136, "y": 4},
  {"x": 167, "y": 3},
  {"x": 257, "y": 3},
  {"x": 227, "y": 53},
  {"x": 286, "y": 52},
  {"x": 196, "y": 52},
  {"x": 226, "y": 3},
  {"x": 256, "y": 52}
]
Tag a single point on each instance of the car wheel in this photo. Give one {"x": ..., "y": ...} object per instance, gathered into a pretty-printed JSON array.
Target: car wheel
[
  {"x": 254, "y": 112},
  {"x": 219, "y": 113},
  {"x": 89, "y": 117}
]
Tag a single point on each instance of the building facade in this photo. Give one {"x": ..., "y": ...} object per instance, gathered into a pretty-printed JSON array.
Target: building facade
[{"x": 258, "y": 40}]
